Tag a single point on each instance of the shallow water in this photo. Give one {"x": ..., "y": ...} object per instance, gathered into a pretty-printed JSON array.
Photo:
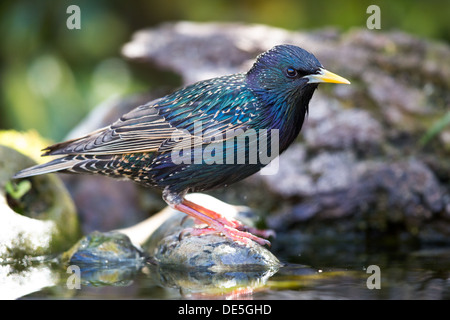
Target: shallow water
[{"x": 328, "y": 274}]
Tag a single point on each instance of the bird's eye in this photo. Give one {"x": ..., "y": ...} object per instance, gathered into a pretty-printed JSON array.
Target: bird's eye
[{"x": 291, "y": 72}]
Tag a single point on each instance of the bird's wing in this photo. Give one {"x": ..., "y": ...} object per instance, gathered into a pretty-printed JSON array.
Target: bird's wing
[
  {"x": 140, "y": 130},
  {"x": 153, "y": 126}
]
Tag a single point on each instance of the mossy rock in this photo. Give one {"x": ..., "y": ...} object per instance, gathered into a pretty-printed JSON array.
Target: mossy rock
[
  {"x": 37, "y": 214},
  {"x": 102, "y": 249}
]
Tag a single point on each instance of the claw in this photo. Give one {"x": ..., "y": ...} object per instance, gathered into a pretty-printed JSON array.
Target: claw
[{"x": 263, "y": 233}]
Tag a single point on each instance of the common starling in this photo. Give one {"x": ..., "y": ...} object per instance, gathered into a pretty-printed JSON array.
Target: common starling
[{"x": 189, "y": 140}]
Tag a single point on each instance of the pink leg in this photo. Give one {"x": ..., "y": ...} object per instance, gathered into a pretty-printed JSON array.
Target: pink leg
[
  {"x": 228, "y": 222},
  {"x": 218, "y": 223}
]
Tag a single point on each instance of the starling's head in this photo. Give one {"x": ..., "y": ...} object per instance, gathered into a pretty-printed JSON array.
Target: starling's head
[{"x": 289, "y": 75}]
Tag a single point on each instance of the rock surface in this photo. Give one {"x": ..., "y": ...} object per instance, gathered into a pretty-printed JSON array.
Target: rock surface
[{"x": 105, "y": 249}]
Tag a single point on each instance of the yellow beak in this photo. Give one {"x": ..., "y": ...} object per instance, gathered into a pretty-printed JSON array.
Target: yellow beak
[{"x": 326, "y": 76}]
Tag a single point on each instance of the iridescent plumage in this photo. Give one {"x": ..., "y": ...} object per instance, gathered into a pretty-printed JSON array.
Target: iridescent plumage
[{"x": 273, "y": 94}]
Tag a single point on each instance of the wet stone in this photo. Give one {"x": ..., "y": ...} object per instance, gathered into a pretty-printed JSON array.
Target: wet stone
[
  {"x": 213, "y": 252},
  {"x": 108, "y": 248}
]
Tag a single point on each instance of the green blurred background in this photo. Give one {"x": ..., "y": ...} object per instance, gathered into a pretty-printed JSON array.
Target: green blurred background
[{"x": 52, "y": 76}]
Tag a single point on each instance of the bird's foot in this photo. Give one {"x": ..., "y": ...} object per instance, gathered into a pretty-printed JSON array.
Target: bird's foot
[
  {"x": 231, "y": 228},
  {"x": 265, "y": 233},
  {"x": 234, "y": 234}
]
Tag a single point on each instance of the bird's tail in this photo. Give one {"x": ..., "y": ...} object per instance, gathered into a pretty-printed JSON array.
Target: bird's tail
[{"x": 59, "y": 164}]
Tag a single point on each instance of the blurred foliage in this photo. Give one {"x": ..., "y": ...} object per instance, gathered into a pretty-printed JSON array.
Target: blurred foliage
[
  {"x": 52, "y": 76},
  {"x": 435, "y": 129}
]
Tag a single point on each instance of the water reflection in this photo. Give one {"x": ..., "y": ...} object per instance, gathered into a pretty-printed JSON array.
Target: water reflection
[
  {"x": 196, "y": 284},
  {"x": 423, "y": 274}
]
